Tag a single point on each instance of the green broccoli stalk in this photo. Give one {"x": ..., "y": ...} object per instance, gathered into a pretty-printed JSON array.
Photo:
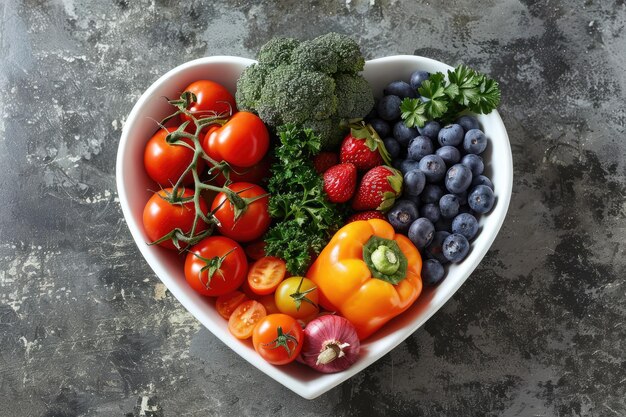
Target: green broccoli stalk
[{"x": 315, "y": 84}]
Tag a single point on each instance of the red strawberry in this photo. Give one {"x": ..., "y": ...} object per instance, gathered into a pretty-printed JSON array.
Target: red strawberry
[
  {"x": 324, "y": 160},
  {"x": 340, "y": 182},
  {"x": 378, "y": 189},
  {"x": 366, "y": 215},
  {"x": 363, "y": 148}
]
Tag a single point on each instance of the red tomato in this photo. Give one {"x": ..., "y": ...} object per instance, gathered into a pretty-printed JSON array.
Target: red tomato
[
  {"x": 245, "y": 317},
  {"x": 242, "y": 141},
  {"x": 278, "y": 339},
  {"x": 255, "y": 219},
  {"x": 266, "y": 274},
  {"x": 269, "y": 304},
  {"x": 212, "y": 99},
  {"x": 255, "y": 174},
  {"x": 160, "y": 217},
  {"x": 165, "y": 163},
  {"x": 248, "y": 291},
  {"x": 255, "y": 250},
  {"x": 225, "y": 256},
  {"x": 227, "y": 303}
]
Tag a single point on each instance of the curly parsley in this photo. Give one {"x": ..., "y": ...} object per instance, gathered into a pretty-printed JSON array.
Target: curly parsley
[
  {"x": 465, "y": 89},
  {"x": 304, "y": 219}
]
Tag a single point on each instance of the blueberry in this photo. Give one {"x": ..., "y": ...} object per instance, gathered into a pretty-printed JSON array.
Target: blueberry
[
  {"x": 435, "y": 249},
  {"x": 430, "y": 129},
  {"x": 475, "y": 142},
  {"x": 433, "y": 167},
  {"x": 397, "y": 164},
  {"x": 389, "y": 108},
  {"x": 465, "y": 224},
  {"x": 482, "y": 180},
  {"x": 420, "y": 147},
  {"x": 414, "y": 182},
  {"x": 481, "y": 199},
  {"x": 421, "y": 232},
  {"x": 468, "y": 122},
  {"x": 449, "y": 206},
  {"x": 408, "y": 165},
  {"x": 455, "y": 247},
  {"x": 402, "y": 214},
  {"x": 417, "y": 78},
  {"x": 393, "y": 147},
  {"x": 462, "y": 196},
  {"x": 449, "y": 154},
  {"x": 474, "y": 163},
  {"x": 403, "y": 134},
  {"x": 443, "y": 225},
  {"x": 381, "y": 127},
  {"x": 432, "y": 272},
  {"x": 400, "y": 89},
  {"x": 451, "y": 135},
  {"x": 431, "y": 193},
  {"x": 430, "y": 211},
  {"x": 458, "y": 178}
]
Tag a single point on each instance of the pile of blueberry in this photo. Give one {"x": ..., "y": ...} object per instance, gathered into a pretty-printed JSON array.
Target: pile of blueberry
[{"x": 444, "y": 186}]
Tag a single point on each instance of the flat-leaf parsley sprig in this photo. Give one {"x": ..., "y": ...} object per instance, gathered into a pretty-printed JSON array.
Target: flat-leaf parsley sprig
[{"x": 443, "y": 99}]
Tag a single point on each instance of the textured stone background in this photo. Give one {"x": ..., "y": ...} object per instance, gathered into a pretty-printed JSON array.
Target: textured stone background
[{"x": 87, "y": 330}]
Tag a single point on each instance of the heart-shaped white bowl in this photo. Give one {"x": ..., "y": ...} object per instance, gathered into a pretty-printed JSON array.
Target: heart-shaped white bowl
[{"x": 134, "y": 188}]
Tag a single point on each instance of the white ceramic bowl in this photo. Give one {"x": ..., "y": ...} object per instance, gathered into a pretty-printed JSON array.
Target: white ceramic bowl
[{"x": 133, "y": 185}]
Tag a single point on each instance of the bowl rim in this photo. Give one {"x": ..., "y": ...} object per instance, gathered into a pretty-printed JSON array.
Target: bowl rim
[{"x": 305, "y": 389}]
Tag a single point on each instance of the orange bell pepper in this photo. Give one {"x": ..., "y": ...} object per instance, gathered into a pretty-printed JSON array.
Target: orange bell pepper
[{"x": 368, "y": 274}]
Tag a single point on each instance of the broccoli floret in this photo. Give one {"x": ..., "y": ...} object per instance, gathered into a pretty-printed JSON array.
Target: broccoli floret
[
  {"x": 249, "y": 87},
  {"x": 312, "y": 83},
  {"x": 349, "y": 57},
  {"x": 331, "y": 131},
  {"x": 354, "y": 96},
  {"x": 298, "y": 95},
  {"x": 315, "y": 56},
  {"x": 277, "y": 51}
]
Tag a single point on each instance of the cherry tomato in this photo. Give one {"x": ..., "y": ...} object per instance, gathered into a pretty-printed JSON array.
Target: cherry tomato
[
  {"x": 266, "y": 274},
  {"x": 278, "y": 339},
  {"x": 252, "y": 223},
  {"x": 227, "y": 303},
  {"x": 247, "y": 290},
  {"x": 160, "y": 217},
  {"x": 242, "y": 141},
  {"x": 165, "y": 163},
  {"x": 269, "y": 303},
  {"x": 297, "y": 297},
  {"x": 255, "y": 250},
  {"x": 220, "y": 255},
  {"x": 212, "y": 99},
  {"x": 255, "y": 174},
  {"x": 242, "y": 321}
]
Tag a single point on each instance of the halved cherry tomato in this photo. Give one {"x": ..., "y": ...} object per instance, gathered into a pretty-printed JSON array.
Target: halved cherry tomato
[
  {"x": 242, "y": 141},
  {"x": 160, "y": 217},
  {"x": 278, "y": 339},
  {"x": 269, "y": 303},
  {"x": 221, "y": 256},
  {"x": 245, "y": 317},
  {"x": 297, "y": 297},
  {"x": 212, "y": 99},
  {"x": 255, "y": 250},
  {"x": 227, "y": 303},
  {"x": 255, "y": 219},
  {"x": 165, "y": 163},
  {"x": 247, "y": 290},
  {"x": 266, "y": 274}
]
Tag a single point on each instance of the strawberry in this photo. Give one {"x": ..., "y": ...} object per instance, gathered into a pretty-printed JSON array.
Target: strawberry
[
  {"x": 363, "y": 148},
  {"x": 324, "y": 160},
  {"x": 340, "y": 182},
  {"x": 378, "y": 189},
  {"x": 366, "y": 215}
]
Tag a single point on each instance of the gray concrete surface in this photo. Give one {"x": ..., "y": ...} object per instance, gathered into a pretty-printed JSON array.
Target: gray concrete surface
[{"x": 87, "y": 330}]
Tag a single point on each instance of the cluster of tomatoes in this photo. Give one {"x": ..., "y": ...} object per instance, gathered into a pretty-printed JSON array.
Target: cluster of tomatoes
[{"x": 210, "y": 163}]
